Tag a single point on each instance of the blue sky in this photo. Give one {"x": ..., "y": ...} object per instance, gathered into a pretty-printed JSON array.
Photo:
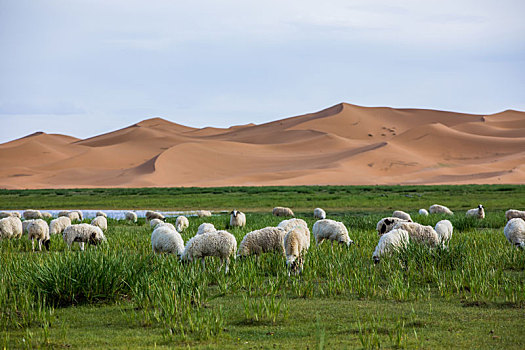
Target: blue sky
[{"x": 86, "y": 67}]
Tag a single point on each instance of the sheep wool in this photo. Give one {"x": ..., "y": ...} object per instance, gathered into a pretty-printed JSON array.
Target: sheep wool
[
  {"x": 131, "y": 216},
  {"x": 181, "y": 223},
  {"x": 203, "y": 213},
  {"x": 221, "y": 244},
  {"x": 515, "y": 232},
  {"x": 444, "y": 230},
  {"x": 6, "y": 214},
  {"x": 478, "y": 212},
  {"x": 72, "y": 215},
  {"x": 58, "y": 225},
  {"x": 402, "y": 215},
  {"x": 46, "y": 215},
  {"x": 32, "y": 214},
  {"x": 296, "y": 244},
  {"x": 39, "y": 230},
  {"x": 10, "y": 227},
  {"x": 25, "y": 224},
  {"x": 237, "y": 219},
  {"x": 155, "y": 222},
  {"x": 439, "y": 209},
  {"x": 423, "y": 212},
  {"x": 101, "y": 222},
  {"x": 319, "y": 213},
  {"x": 164, "y": 239},
  {"x": 205, "y": 227},
  {"x": 83, "y": 233},
  {"x": 420, "y": 233},
  {"x": 386, "y": 224},
  {"x": 390, "y": 241},
  {"x": 331, "y": 230},
  {"x": 268, "y": 239},
  {"x": 166, "y": 224},
  {"x": 513, "y": 213},
  {"x": 150, "y": 215},
  {"x": 282, "y": 211},
  {"x": 101, "y": 213}
]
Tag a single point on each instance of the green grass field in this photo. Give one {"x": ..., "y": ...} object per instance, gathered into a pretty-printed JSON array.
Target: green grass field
[{"x": 121, "y": 296}]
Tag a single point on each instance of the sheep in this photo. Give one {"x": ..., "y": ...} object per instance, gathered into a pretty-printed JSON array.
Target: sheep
[
  {"x": 319, "y": 213},
  {"x": 32, "y": 214},
  {"x": 101, "y": 222},
  {"x": 131, "y": 216},
  {"x": 80, "y": 215},
  {"x": 386, "y": 224},
  {"x": 331, "y": 230},
  {"x": 10, "y": 227},
  {"x": 439, "y": 209},
  {"x": 515, "y": 232},
  {"x": 6, "y": 214},
  {"x": 444, "y": 230},
  {"x": 392, "y": 240},
  {"x": 101, "y": 213},
  {"x": 181, "y": 223},
  {"x": 58, "y": 225},
  {"x": 203, "y": 213},
  {"x": 205, "y": 227},
  {"x": 420, "y": 233},
  {"x": 25, "y": 224},
  {"x": 402, "y": 215},
  {"x": 513, "y": 213},
  {"x": 423, "y": 212},
  {"x": 218, "y": 243},
  {"x": 261, "y": 241},
  {"x": 63, "y": 213},
  {"x": 38, "y": 230},
  {"x": 46, "y": 215},
  {"x": 164, "y": 239},
  {"x": 237, "y": 219},
  {"x": 154, "y": 222},
  {"x": 150, "y": 215},
  {"x": 478, "y": 212},
  {"x": 289, "y": 224},
  {"x": 167, "y": 224},
  {"x": 282, "y": 211},
  {"x": 296, "y": 244},
  {"x": 72, "y": 215},
  {"x": 83, "y": 233}
]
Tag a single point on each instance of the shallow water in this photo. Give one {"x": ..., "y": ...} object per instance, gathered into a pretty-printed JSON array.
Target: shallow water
[{"x": 121, "y": 214}]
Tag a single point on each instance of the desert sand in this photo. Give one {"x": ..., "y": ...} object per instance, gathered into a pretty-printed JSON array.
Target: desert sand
[{"x": 341, "y": 145}]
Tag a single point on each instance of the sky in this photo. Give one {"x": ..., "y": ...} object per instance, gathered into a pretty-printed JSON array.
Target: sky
[{"x": 84, "y": 67}]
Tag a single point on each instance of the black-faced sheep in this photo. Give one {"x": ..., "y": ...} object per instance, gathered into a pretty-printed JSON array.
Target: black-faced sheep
[
  {"x": 237, "y": 219},
  {"x": 478, "y": 212}
]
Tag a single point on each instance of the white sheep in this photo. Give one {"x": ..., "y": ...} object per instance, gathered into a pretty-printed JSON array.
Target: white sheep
[
  {"x": 319, "y": 213},
  {"x": 181, "y": 223},
  {"x": 10, "y": 227},
  {"x": 444, "y": 230},
  {"x": 205, "y": 227},
  {"x": 221, "y": 244},
  {"x": 58, "y": 225},
  {"x": 32, "y": 214},
  {"x": 164, "y": 239},
  {"x": 167, "y": 224},
  {"x": 101, "y": 222},
  {"x": 515, "y": 232},
  {"x": 83, "y": 233},
  {"x": 402, "y": 215},
  {"x": 420, "y": 233},
  {"x": 267, "y": 239},
  {"x": 39, "y": 230},
  {"x": 282, "y": 211},
  {"x": 72, "y": 215},
  {"x": 439, "y": 209},
  {"x": 46, "y": 215},
  {"x": 386, "y": 224},
  {"x": 513, "y": 213},
  {"x": 80, "y": 215},
  {"x": 25, "y": 224},
  {"x": 131, "y": 216},
  {"x": 6, "y": 214},
  {"x": 101, "y": 213},
  {"x": 203, "y": 213},
  {"x": 478, "y": 212},
  {"x": 237, "y": 219},
  {"x": 296, "y": 244},
  {"x": 289, "y": 224},
  {"x": 423, "y": 212},
  {"x": 150, "y": 215},
  {"x": 155, "y": 222},
  {"x": 390, "y": 241},
  {"x": 331, "y": 230}
]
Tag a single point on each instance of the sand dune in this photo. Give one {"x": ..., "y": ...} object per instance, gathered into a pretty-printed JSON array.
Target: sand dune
[{"x": 342, "y": 145}]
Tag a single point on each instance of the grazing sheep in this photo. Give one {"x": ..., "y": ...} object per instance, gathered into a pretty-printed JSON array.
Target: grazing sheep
[
  {"x": 155, "y": 222},
  {"x": 101, "y": 222},
  {"x": 319, "y": 213},
  {"x": 402, "y": 215},
  {"x": 237, "y": 219},
  {"x": 478, "y": 212},
  {"x": 267, "y": 239},
  {"x": 203, "y": 213},
  {"x": 296, "y": 244},
  {"x": 38, "y": 230},
  {"x": 164, "y": 239},
  {"x": 150, "y": 215},
  {"x": 513, "y": 213},
  {"x": 439, "y": 209},
  {"x": 182, "y": 223},
  {"x": 80, "y": 215},
  {"x": 331, "y": 230},
  {"x": 218, "y": 243},
  {"x": 32, "y": 214},
  {"x": 58, "y": 225},
  {"x": 46, "y": 215},
  {"x": 289, "y": 224},
  {"x": 72, "y": 215},
  {"x": 282, "y": 211},
  {"x": 420, "y": 233},
  {"x": 205, "y": 227},
  {"x": 444, "y": 230},
  {"x": 390, "y": 241},
  {"x": 63, "y": 213},
  {"x": 25, "y": 224},
  {"x": 83, "y": 233},
  {"x": 423, "y": 212},
  {"x": 101, "y": 213},
  {"x": 386, "y": 224},
  {"x": 6, "y": 214},
  {"x": 167, "y": 224},
  {"x": 515, "y": 232},
  {"x": 10, "y": 227},
  {"x": 131, "y": 216}
]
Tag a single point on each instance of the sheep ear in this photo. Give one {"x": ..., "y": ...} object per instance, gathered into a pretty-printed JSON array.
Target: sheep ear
[
  {"x": 231, "y": 213},
  {"x": 388, "y": 222},
  {"x": 383, "y": 228}
]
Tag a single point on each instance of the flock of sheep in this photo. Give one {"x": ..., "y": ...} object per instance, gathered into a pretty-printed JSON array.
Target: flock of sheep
[{"x": 290, "y": 238}]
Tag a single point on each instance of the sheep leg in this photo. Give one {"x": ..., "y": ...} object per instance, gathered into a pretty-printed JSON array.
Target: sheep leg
[
  {"x": 33, "y": 244},
  {"x": 227, "y": 267},
  {"x": 39, "y": 245},
  {"x": 82, "y": 246},
  {"x": 203, "y": 264}
]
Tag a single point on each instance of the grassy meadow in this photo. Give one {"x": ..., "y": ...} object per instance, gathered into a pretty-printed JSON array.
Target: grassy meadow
[{"x": 120, "y": 295}]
